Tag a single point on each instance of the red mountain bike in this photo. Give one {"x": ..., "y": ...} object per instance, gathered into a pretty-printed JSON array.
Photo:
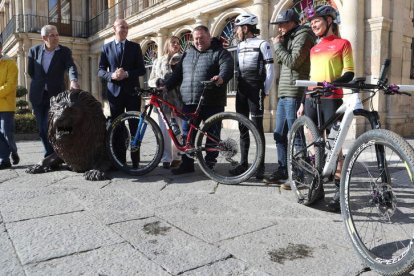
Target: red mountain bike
[{"x": 221, "y": 133}]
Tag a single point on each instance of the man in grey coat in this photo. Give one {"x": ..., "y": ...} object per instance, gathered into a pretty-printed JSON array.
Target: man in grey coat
[
  {"x": 292, "y": 50},
  {"x": 205, "y": 60}
]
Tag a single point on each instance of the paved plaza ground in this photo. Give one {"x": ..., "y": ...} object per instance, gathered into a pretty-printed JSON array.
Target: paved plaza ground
[{"x": 160, "y": 224}]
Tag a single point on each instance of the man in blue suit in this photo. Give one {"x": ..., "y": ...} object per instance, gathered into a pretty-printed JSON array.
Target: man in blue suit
[
  {"x": 120, "y": 65},
  {"x": 46, "y": 67}
]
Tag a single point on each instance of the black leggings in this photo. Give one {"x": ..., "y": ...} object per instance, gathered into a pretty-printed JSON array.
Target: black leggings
[
  {"x": 249, "y": 100},
  {"x": 328, "y": 108}
]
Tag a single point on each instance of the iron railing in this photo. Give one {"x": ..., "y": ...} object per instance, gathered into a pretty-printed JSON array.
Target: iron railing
[
  {"x": 122, "y": 9},
  {"x": 27, "y": 23}
]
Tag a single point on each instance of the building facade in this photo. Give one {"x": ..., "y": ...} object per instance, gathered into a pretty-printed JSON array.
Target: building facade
[{"x": 377, "y": 29}]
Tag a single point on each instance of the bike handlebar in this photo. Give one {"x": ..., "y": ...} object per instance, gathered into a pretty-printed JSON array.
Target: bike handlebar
[{"x": 390, "y": 89}]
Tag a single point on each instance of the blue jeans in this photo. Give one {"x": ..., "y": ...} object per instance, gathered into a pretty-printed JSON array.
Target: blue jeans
[
  {"x": 204, "y": 113},
  {"x": 285, "y": 116},
  {"x": 41, "y": 113},
  {"x": 7, "y": 142}
]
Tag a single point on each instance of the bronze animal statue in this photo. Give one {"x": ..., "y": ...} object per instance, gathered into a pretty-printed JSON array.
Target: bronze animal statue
[{"x": 77, "y": 129}]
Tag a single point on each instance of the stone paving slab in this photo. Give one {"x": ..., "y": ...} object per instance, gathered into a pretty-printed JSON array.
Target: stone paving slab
[
  {"x": 297, "y": 248},
  {"x": 9, "y": 263},
  {"x": 111, "y": 206},
  {"x": 118, "y": 259},
  {"x": 173, "y": 249},
  {"x": 45, "y": 238},
  {"x": 229, "y": 266},
  {"x": 22, "y": 207}
]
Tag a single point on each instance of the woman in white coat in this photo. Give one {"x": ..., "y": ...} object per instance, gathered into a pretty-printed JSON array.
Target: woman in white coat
[{"x": 161, "y": 69}]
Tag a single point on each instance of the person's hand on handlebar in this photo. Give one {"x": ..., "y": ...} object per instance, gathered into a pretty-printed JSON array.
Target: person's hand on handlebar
[
  {"x": 300, "y": 110},
  {"x": 217, "y": 80}
]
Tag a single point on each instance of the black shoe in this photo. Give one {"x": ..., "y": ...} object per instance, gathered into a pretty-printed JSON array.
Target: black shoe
[
  {"x": 260, "y": 173},
  {"x": 15, "y": 158},
  {"x": 276, "y": 177},
  {"x": 240, "y": 169},
  {"x": 183, "y": 168},
  {"x": 5, "y": 165},
  {"x": 210, "y": 165},
  {"x": 166, "y": 165},
  {"x": 334, "y": 204}
]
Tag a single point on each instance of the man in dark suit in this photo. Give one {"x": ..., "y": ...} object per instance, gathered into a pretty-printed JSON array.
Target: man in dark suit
[
  {"x": 46, "y": 67},
  {"x": 120, "y": 65}
]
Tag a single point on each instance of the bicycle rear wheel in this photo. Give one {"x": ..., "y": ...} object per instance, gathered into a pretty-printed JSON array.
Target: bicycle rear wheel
[
  {"x": 139, "y": 158},
  {"x": 226, "y": 140},
  {"x": 377, "y": 201},
  {"x": 305, "y": 155}
]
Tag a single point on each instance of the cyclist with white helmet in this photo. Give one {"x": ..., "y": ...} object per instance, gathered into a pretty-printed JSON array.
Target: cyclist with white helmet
[
  {"x": 255, "y": 77},
  {"x": 331, "y": 61}
]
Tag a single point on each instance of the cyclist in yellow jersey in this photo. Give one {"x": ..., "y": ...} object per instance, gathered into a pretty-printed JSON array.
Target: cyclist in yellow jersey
[{"x": 331, "y": 61}]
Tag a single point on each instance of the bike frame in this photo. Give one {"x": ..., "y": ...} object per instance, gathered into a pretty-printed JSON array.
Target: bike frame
[
  {"x": 350, "y": 108},
  {"x": 157, "y": 102}
]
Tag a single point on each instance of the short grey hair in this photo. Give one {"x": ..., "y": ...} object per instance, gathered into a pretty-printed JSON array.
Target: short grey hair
[{"x": 46, "y": 29}]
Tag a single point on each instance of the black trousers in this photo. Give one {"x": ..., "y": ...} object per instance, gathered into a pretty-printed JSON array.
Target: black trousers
[{"x": 250, "y": 101}]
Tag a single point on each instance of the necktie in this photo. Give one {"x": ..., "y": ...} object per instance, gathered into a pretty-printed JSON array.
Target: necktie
[{"x": 120, "y": 50}]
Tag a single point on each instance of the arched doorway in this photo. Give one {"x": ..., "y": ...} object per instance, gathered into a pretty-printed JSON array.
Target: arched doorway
[
  {"x": 229, "y": 42},
  {"x": 150, "y": 55}
]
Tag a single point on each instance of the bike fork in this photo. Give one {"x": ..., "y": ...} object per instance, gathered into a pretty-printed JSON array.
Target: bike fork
[
  {"x": 373, "y": 119},
  {"x": 142, "y": 126}
]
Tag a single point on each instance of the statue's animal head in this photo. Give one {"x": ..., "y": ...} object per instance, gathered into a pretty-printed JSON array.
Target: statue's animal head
[{"x": 77, "y": 129}]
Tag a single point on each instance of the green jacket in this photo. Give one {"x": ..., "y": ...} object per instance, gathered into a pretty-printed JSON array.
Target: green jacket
[{"x": 293, "y": 53}]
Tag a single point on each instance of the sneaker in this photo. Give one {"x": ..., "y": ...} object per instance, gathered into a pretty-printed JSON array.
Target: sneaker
[
  {"x": 286, "y": 186},
  {"x": 334, "y": 204},
  {"x": 276, "y": 177},
  {"x": 5, "y": 165},
  {"x": 15, "y": 158},
  {"x": 166, "y": 165},
  {"x": 238, "y": 170},
  {"x": 175, "y": 164}
]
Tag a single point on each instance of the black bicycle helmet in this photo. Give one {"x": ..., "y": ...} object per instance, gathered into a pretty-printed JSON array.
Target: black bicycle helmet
[{"x": 320, "y": 11}]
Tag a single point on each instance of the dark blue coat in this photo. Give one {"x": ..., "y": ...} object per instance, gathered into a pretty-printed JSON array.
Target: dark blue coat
[
  {"x": 54, "y": 77},
  {"x": 132, "y": 62}
]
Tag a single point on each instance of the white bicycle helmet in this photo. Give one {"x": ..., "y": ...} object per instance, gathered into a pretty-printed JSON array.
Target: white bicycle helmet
[{"x": 245, "y": 19}]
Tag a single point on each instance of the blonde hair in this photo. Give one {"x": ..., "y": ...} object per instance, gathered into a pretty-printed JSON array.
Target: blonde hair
[{"x": 167, "y": 46}]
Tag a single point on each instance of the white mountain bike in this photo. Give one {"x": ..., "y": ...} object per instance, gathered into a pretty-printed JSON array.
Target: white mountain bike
[{"x": 376, "y": 187}]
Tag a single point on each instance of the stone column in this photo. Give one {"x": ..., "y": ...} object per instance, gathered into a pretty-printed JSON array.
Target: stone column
[
  {"x": 6, "y": 13},
  {"x": 27, "y": 44},
  {"x": 27, "y": 11},
  {"x": 18, "y": 11},
  {"x": 160, "y": 40},
  {"x": 352, "y": 28},
  {"x": 2, "y": 25},
  {"x": 94, "y": 77},
  {"x": 261, "y": 9},
  {"x": 111, "y": 15},
  {"x": 378, "y": 48},
  {"x": 86, "y": 72},
  {"x": 21, "y": 64}
]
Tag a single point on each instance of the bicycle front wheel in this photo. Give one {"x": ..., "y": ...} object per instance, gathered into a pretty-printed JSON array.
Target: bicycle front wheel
[
  {"x": 135, "y": 156},
  {"x": 377, "y": 201},
  {"x": 228, "y": 140},
  {"x": 305, "y": 155}
]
